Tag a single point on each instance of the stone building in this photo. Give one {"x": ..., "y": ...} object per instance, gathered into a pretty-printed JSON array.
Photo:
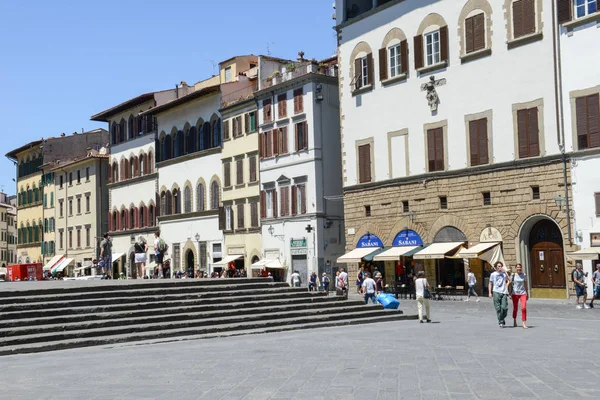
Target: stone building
[
  {"x": 450, "y": 136},
  {"x": 8, "y": 232}
]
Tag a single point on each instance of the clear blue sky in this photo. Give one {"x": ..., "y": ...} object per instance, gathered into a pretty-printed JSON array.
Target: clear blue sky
[{"x": 62, "y": 61}]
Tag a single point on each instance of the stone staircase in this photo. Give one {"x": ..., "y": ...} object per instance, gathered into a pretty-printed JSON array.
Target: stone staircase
[{"x": 45, "y": 316}]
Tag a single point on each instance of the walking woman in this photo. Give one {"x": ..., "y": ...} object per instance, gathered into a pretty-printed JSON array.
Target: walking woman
[
  {"x": 360, "y": 277},
  {"x": 141, "y": 256},
  {"x": 519, "y": 294},
  {"x": 422, "y": 295}
]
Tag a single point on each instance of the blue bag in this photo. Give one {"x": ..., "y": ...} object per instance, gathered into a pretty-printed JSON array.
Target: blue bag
[{"x": 388, "y": 301}]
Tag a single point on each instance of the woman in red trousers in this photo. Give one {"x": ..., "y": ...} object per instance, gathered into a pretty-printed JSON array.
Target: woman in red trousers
[{"x": 519, "y": 294}]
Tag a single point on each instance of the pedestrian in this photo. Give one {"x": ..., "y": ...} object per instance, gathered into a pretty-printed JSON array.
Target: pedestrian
[
  {"x": 471, "y": 282},
  {"x": 160, "y": 249},
  {"x": 360, "y": 277},
  {"x": 106, "y": 255},
  {"x": 344, "y": 280},
  {"x": 422, "y": 288},
  {"x": 580, "y": 286},
  {"x": 596, "y": 283},
  {"x": 141, "y": 256},
  {"x": 369, "y": 288},
  {"x": 519, "y": 295},
  {"x": 379, "y": 282},
  {"x": 325, "y": 283},
  {"x": 296, "y": 280},
  {"x": 498, "y": 290},
  {"x": 313, "y": 282}
]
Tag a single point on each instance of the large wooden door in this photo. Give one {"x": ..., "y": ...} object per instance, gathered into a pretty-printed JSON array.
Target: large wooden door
[{"x": 546, "y": 256}]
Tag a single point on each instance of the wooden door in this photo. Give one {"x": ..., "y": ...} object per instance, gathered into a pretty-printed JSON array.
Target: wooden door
[{"x": 546, "y": 256}]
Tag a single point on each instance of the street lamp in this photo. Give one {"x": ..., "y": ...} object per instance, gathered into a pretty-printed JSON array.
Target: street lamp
[
  {"x": 272, "y": 233},
  {"x": 271, "y": 230},
  {"x": 559, "y": 201}
]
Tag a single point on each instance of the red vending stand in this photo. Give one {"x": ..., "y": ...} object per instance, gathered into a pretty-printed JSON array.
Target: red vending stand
[{"x": 23, "y": 272}]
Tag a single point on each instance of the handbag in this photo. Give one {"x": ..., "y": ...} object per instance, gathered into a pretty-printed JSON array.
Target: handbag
[{"x": 426, "y": 293}]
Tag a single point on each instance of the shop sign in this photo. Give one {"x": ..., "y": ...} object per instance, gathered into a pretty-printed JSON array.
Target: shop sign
[
  {"x": 299, "y": 251},
  {"x": 595, "y": 239},
  {"x": 298, "y": 242},
  {"x": 407, "y": 237},
  {"x": 490, "y": 234},
  {"x": 235, "y": 251},
  {"x": 369, "y": 240}
]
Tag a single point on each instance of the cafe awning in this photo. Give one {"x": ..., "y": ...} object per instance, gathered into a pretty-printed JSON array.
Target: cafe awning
[
  {"x": 477, "y": 250},
  {"x": 116, "y": 256},
  {"x": 228, "y": 259},
  {"x": 591, "y": 253},
  {"x": 394, "y": 253},
  {"x": 53, "y": 262},
  {"x": 266, "y": 263},
  {"x": 356, "y": 255},
  {"x": 62, "y": 265},
  {"x": 371, "y": 257},
  {"x": 437, "y": 250}
]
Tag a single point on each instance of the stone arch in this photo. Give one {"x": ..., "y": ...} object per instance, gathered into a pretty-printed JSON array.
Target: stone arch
[
  {"x": 372, "y": 228},
  {"x": 449, "y": 220},
  {"x": 431, "y": 19},
  {"x": 401, "y": 224},
  {"x": 362, "y": 47},
  {"x": 162, "y": 135},
  {"x": 254, "y": 255},
  {"x": 174, "y": 186},
  {"x": 394, "y": 33},
  {"x": 468, "y": 8},
  {"x": 163, "y": 188}
]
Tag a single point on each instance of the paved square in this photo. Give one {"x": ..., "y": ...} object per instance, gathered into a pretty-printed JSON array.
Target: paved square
[{"x": 461, "y": 355}]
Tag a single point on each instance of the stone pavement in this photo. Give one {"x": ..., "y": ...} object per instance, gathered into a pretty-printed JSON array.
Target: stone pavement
[{"x": 461, "y": 355}]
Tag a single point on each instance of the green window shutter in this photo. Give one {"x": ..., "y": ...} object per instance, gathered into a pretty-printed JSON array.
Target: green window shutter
[
  {"x": 45, "y": 200},
  {"x": 52, "y": 199}
]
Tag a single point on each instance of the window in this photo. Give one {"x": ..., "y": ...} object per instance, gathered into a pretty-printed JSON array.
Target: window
[
  {"x": 435, "y": 149},
  {"x": 87, "y": 204},
  {"x": 588, "y": 126},
  {"x": 298, "y": 100},
  {"x": 271, "y": 199},
  {"x": 252, "y": 162},
  {"x": 284, "y": 205},
  {"x": 364, "y": 71},
  {"x": 301, "y": 136},
  {"x": 87, "y": 174},
  {"x": 443, "y": 202},
  {"x": 227, "y": 174},
  {"x": 282, "y": 105},
  {"x": 78, "y": 176},
  {"x": 432, "y": 48},
  {"x": 51, "y": 199},
  {"x": 71, "y": 239},
  {"x": 475, "y": 33},
  {"x": 523, "y": 18},
  {"x": 214, "y": 195},
  {"x": 364, "y": 163},
  {"x": 70, "y": 179},
  {"x": 78, "y": 238},
  {"x": 200, "y": 197},
  {"x": 405, "y": 208},
  {"x": 395, "y": 61},
  {"x": 282, "y": 141},
  {"x": 240, "y": 216},
  {"x": 254, "y": 214},
  {"x": 45, "y": 200},
  {"x": 299, "y": 198},
  {"x": 79, "y": 205},
  {"x": 237, "y": 130},
  {"x": 61, "y": 238},
  {"x": 61, "y": 181},
  {"x": 367, "y": 211},
  {"x": 251, "y": 124},
  {"x": 239, "y": 166},
  {"x": 227, "y": 74},
  {"x": 535, "y": 192},
  {"x": 228, "y": 218},
  {"x": 478, "y": 142},
  {"x": 267, "y": 113},
  {"x": 187, "y": 200},
  {"x": 60, "y": 209},
  {"x": 226, "y": 130},
  {"x": 527, "y": 131},
  {"x": 70, "y": 207},
  {"x": 585, "y": 7},
  {"x": 487, "y": 198}
]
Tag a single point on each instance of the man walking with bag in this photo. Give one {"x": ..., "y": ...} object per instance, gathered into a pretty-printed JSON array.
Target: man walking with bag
[
  {"x": 499, "y": 291},
  {"x": 423, "y": 295}
]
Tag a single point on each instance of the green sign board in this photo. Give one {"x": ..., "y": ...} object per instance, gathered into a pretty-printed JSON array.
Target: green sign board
[{"x": 298, "y": 242}]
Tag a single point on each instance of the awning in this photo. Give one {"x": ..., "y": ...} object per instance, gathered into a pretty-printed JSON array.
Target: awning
[
  {"x": 229, "y": 259},
  {"x": 116, "y": 256},
  {"x": 394, "y": 253},
  {"x": 591, "y": 253},
  {"x": 266, "y": 263},
  {"x": 371, "y": 257},
  {"x": 477, "y": 250},
  {"x": 437, "y": 250},
  {"x": 52, "y": 263},
  {"x": 356, "y": 255},
  {"x": 62, "y": 265}
]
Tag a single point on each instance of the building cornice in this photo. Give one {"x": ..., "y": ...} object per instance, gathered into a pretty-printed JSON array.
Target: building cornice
[
  {"x": 133, "y": 181},
  {"x": 286, "y": 85},
  {"x": 195, "y": 214},
  {"x": 367, "y": 14},
  {"x": 187, "y": 157}
]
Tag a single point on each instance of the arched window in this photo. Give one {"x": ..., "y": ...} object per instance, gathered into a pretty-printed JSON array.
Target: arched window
[
  {"x": 168, "y": 148},
  {"x": 163, "y": 203},
  {"x": 143, "y": 164},
  {"x": 29, "y": 196},
  {"x": 214, "y": 195},
  {"x": 122, "y": 130},
  {"x": 216, "y": 129},
  {"x": 132, "y": 168},
  {"x": 115, "y": 172},
  {"x": 36, "y": 233},
  {"x": 127, "y": 171},
  {"x": 113, "y": 133},
  {"x": 142, "y": 217},
  {"x": 114, "y": 221},
  {"x": 29, "y": 234},
  {"x": 151, "y": 215},
  {"x": 169, "y": 204},
  {"x": 200, "y": 197},
  {"x": 187, "y": 200},
  {"x": 474, "y": 28},
  {"x": 205, "y": 136},
  {"x": 150, "y": 162},
  {"x": 176, "y": 201},
  {"x": 132, "y": 218},
  {"x": 131, "y": 128},
  {"x": 46, "y": 225},
  {"x": 180, "y": 146},
  {"x": 123, "y": 224},
  {"x": 190, "y": 139},
  {"x": 36, "y": 195},
  {"x": 51, "y": 225}
]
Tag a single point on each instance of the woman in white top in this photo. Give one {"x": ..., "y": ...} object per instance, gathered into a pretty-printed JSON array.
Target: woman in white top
[
  {"x": 141, "y": 256},
  {"x": 420, "y": 285},
  {"x": 519, "y": 294}
]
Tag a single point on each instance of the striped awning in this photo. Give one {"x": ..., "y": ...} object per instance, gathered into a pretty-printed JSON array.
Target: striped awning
[
  {"x": 437, "y": 250},
  {"x": 394, "y": 253},
  {"x": 356, "y": 255}
]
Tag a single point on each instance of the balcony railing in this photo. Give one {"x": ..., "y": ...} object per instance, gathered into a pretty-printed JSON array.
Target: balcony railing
[
  {"x": 239, "y": 95},
  {"x": 299, "y": 70}
]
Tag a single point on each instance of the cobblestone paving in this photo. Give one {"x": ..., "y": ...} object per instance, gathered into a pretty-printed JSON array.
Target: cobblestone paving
[{"x": 461, "y": 355}]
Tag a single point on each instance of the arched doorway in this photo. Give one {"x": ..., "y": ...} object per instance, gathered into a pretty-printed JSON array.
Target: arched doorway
[
  {"x": 189, "y": 263},
  {"x": 546, "y": 256}
]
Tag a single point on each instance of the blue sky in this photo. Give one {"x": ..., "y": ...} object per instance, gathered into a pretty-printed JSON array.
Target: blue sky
[{"x": 62, "y": 61}]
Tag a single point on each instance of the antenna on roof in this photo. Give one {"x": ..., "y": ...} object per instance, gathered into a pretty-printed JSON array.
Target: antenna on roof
[
  {"x": 269, "y": 47},
  {"x": 214, "y": 64}
]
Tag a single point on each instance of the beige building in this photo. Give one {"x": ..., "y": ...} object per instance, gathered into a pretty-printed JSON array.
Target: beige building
[{"x": 8, "y": 232}]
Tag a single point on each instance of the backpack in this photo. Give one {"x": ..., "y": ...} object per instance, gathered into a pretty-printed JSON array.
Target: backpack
[{"x": 162, "y": 245}]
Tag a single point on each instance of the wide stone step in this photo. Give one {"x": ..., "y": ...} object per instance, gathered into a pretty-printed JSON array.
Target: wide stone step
[
  {"x": 214, "y": 316},
  {"x": 242, "y": 304},
  {"x": 372, "y": 314}
]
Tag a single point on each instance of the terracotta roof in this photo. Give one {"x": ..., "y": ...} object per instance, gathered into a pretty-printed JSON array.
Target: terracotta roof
[
  {"x": 103, "y": 116},
  {"x": 182, "y": 100},
  {"x": 13, "y": 154},
  {"x": 55, "y": 166}
]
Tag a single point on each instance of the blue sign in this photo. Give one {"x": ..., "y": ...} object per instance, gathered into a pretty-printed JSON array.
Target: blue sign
[
  {"x": 407, "y": 237},
  {"x": 369, "y": 240}
]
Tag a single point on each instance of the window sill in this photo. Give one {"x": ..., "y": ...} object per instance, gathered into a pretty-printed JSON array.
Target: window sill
[
  {"x": 252, "y": 183},
  {"x": 523, "y": 40},
  {"x": 281, "y": 118},
  {"x": 361, "y": 90},
  {"x": 240, "y": 186},
  {"x": 432, "y": 68},
  {"x": 397, "y": 78},
  {"x": 475, "y": 55},
  {"x": 595, "y": 17},
  {"x": 226, "y": 139},
  {"x": 227, "y": 187}
]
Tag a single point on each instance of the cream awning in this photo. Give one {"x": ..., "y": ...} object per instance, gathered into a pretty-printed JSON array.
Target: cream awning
[
  {"x": 591, "y": 253},
  {"x": 437, "y": 250},
  {"x": 266, "y": 263},
  {"x": 394, "y": 253},
  {"x": 228, "y": 259},
  {"x": 62, "y": 265},
  {"x": 52, "y": 263},
  {"x": 477, "y": 250},
  {"x": 356, "y": 255},
  {"x": 116, "y": 256}
]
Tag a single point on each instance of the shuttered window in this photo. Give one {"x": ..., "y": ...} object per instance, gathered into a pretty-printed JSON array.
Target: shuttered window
[
  {"x": 475, "y": 33},
  {"x": 563, "y": 10},
  {"x": 478, "y": 142},
  {"x": 523, "y": 18},
  {"x": 528, "y": 133},
  {"x": 363, "y": 71},
  {"x": 298, "y": 101},
  {"x": 227, "y": 174},
  {"x": 588, "y": 124},
  {"x": 283, "y": 140},
  {"x": 252, "y": 162},
  {"x": 240, "y": 216},
  {"x": 435, "y": 149},
  {"x": 226, "y": 130},
  {"x": 284, "y": 206},
  {"x": 364, "y": 163},
  {"x": 254, "y": 214},
  {"x": 301, "y": 136},
  {"x": 239, "y": 167},
  {"x": 237, "y": 132},
  {"x": 597, "y": 203},
  {"x": 282, "y": 105},
  {"x": 267, "y": 114},
  {"x": 268, "y": 144}
]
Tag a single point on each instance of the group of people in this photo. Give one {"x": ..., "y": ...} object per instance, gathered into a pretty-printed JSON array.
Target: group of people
[{"x": 580, "y": 282}]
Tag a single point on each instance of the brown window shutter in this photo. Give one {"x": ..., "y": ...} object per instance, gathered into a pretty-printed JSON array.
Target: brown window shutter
[
  {"x": 522, "y": 133},
  {"x": 282, "y": 105},
  {"x": 564, "y": 9},
  {"x": 357, "y": 73},
  {"x": 528, "y": 16},
  {"x": 469, "y": 34},
  {"x": 418, "y": 41},
  {"x": 370, "y": 69},
  {"x": 110, "y": 222},
  {"x": 275, "y": 142},
  {"x": 275, "y": 204},
  {"x": 431, "y": 149},
  {"x": 226, "y": 129},
  {"x": 303, "y": 199},
  {"x": 361, "y": 164},
  {"x": 239, "y": 125},
  {"x": 260, "y": 145},
  {"x": 227, "y": 173},
  {"x": 298, "y": 101},
  {"x": 296, "y": 145},
  {"x": 517, "y": 8},
  {"x": 294, "y": 195},
  {"x": 283, "y": 140},
  {"x": 474, "y": 143},
  {"x": 479, "y": 32},
  {"x": 444, "y": 43},
  {"x": 439, "y": 149},
  {"x": 269, "y": 144},
  {"x": 368, "y": 163},
  {"x": 582, "y": 125},
  {"x": 222, "y": 218},
  {"x": 305, "y": 134},
  {"x": 284, "y": 201},
  {"x": 533, "y": 132},
  {"x": 263, "y": 204},
  {"x": 483, "y": 141},
  {"x": 383, "y": 64},
  {"x": 247, "y": 122},
  {"x": 597, "y": 202},
  {"x": 110, "y": 174},
  {"x": 404, "y": 56},
  {"x": 593, "y": 111}
]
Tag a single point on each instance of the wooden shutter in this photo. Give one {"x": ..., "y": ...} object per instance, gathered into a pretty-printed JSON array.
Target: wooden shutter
[
  {"x": 222, "y": 218},
  {"x": 517, "y": 9},
  {"x": 418, "y": 41},
  {"x": 275, "y": 134},
  {"x": 364, "y": 163},
  {"x": 404, "y": 56},
  {"x": 227, "y": 173},
  {"x": 252, "y": 169},
  {"x": 478, "y": 142},
  {"x": 226, "y": 129},
  {"x": 357, "y": 73},
  {"x": 593, "y": 128},
  {"x": 479, "y": 32},
  {"x": 305, "y": 135},
  {"x": 239, "y": 164},
  {"x": 533, "y": 132},
  {"x": 444, "y": 43},
  {"x": 109, "y": 173},
  {"x": 439, "y": 149},
  {"x": 522, "y": 133},
  {"x": 469, "y": 34},
  {"x": 473, "y": 143},
  {"x": 294, "y": 204},
  {"x": 110, "y": 228},
  {"x": 247, "y": 122},
  {"x": 564, "y": 10},
  {"x": 370, "y": 69},
  {"x": 283, "y": 140},
  {"x": 597, "y": 202},
  {"x": 298, "y": 101},
  {"x": 282, "y": 105},
  {"x": 296, "y": 144},
  {"x": 274, "y": 203},
  {"x": 581, "y": 122},
  {"x": 240, "y": 216},
  {"x": 303, "y": 199},
  {"x": 383, "y": 65},
  {"x": 528, "y": 17},
  {"x": 263, "y": 204},
  {"x": 239, "y": 126},
  {"x": 261, "y": 143},
  {"x": 284, "y": 208}
]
